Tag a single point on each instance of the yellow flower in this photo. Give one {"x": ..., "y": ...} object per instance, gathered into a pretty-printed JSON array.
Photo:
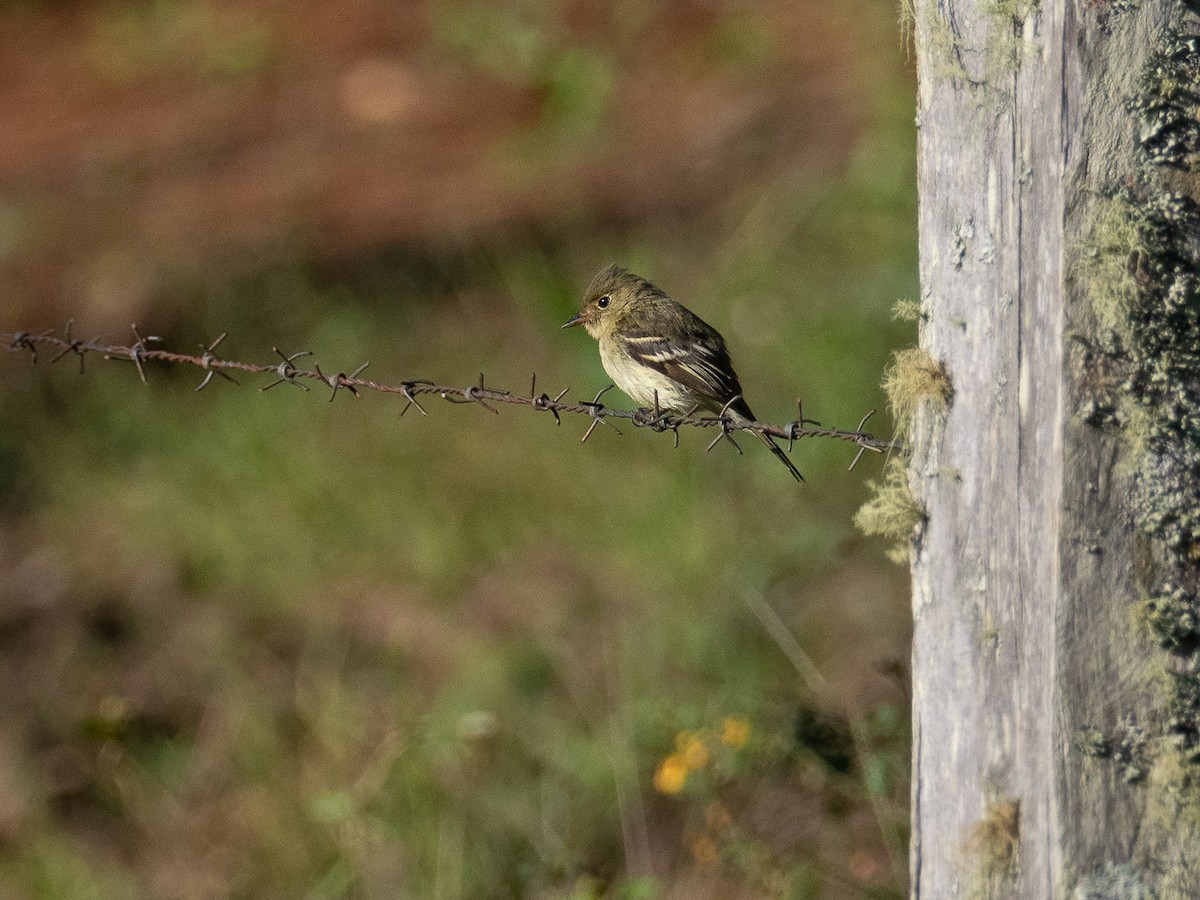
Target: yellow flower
[
  {"x": 671, "y": 774},
  {"x": 704, "y": 850},
  {"x": 735, "y": 732}
]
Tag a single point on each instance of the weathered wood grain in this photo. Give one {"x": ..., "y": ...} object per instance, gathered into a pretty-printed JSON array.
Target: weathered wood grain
[{"x": 1026, "y": 570}]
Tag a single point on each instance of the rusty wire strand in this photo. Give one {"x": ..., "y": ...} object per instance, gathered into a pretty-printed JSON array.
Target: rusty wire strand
[{"x": 479, "y": 394}]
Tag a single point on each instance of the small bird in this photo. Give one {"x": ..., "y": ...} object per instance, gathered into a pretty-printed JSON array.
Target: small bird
[{"x": 649, "y": 345}]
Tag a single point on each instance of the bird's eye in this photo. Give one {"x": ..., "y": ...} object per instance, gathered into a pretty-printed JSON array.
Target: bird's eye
[{"x": 603, "y": 302}]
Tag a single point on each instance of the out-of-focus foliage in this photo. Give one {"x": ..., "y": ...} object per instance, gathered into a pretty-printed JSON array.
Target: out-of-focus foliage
[{"x": 262, "y": 645}]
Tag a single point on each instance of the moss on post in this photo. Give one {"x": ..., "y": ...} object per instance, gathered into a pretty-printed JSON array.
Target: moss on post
[{"x": 912, "y": 380}]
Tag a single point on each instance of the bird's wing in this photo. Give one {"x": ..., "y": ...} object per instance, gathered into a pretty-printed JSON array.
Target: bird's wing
[{"x": 700, "y": 363}]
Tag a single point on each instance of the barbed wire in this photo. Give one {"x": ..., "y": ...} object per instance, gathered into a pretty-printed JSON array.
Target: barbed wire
[{"x": 287, "y": 372}]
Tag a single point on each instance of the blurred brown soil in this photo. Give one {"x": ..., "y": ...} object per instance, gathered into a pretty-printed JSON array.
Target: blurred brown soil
[{"x": 221, "y": 137}]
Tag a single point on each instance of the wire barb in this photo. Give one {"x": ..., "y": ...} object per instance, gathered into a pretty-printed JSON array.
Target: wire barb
[
  {"x": 656, "y": 419},
  {"x": 78, "y": 347},
  {"x": 663, "y": 422},
  {"x": 23, "y": 340},
  {"x": 407, "y": 390},
  {"x": 136, "y": 349},
  {"x": 596, "y": 408},
  {"x": 341, "y": 380},
  {"x": 475, "y": 395},
  {"x": 722, "y": 419},
  {"x": 543, "y": 402},
  {"x": 864, "y": 443},
  {"x": 793, "y": 426},
  {"x": 286, "y": 371},
  {"x": 211, "y": 363}
]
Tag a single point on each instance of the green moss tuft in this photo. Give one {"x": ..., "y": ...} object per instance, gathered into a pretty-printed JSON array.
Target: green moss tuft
[
  {"x": 1090, "y": 741},
  {"x": 908, "y": 25},
  {"x": 906, "y": 310},
  {"x": 993, "y": 845},
  {"x": 1006, "y": 43},
  {"x": 1170, "y": 617},
  {"x": 1114, "y": 242},
  {"x": 892, "y": 512},
  {"x": 944, "y": 45},
  {"x": 1132, "y": 751},
  {"x": 914, "y": 378}
]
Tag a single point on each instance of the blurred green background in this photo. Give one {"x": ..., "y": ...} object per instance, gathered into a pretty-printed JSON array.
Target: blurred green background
[{"x": 263, "y": 645}]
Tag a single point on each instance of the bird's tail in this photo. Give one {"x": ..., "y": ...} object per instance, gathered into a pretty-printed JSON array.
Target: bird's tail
[
  {"x": 778, "y": 451},
  {"x": 740, "y": 413}
]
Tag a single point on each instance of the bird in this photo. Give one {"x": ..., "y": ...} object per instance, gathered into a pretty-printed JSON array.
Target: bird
[{"x": 662, "y": 354}]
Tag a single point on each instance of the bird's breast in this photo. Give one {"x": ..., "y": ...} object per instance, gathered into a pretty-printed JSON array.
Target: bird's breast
[{"x": 641, "y": 382}]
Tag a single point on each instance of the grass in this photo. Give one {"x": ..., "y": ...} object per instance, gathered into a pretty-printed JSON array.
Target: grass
[{"x": 304, "y": 606}]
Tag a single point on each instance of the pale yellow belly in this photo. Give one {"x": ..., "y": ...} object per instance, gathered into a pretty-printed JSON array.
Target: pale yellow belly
[{"x": 641, "y": 382}]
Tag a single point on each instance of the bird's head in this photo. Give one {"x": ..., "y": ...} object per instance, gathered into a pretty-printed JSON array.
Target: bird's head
[{"x": 610, "y": 295}]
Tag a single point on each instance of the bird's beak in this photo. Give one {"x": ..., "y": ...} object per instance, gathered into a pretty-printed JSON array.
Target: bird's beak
[{"x": 577, "y": 319}]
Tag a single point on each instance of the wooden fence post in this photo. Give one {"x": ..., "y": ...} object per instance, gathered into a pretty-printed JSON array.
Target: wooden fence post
[{"x": 1056, "y": 657}]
